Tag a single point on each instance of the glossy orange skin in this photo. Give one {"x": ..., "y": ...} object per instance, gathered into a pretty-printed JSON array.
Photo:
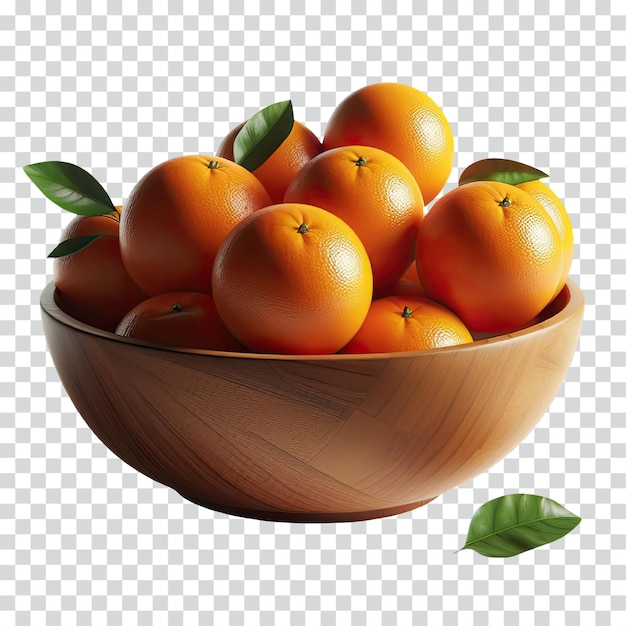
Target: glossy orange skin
[
  {"x": 375, "y": 194},
  {"x": 93, "y": 284},
  {"x": 402, "y": 121},
  {"x": 495, "y": 266},
  {"x": 553, "y": 205},
  {"x": 177, "y": 216},
  {"x": 181, "y": 319},
  {"x": 300, "y": 146},
  {"x": 284, "y": 288},
  {"x": 386, "y": 329}
]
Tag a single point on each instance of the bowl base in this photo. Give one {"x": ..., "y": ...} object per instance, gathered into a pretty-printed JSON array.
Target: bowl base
[{"x": 307, "y": 517}]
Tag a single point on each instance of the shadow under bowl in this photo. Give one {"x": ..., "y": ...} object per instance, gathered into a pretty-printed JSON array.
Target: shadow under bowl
[{"x": 313, "y": 438}]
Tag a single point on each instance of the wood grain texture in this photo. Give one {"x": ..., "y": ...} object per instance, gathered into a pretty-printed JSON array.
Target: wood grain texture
[{"x": 317, "y": 438}]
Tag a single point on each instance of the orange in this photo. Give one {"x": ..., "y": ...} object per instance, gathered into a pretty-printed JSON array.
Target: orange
[
  {"x": 292, "y": 279},
  {"x": 408, "y": 285},
  {"x": 491, "y": 253},
  {"x": 403, "y": 121},
  {"x": 375, "y": 194},
  {"x": 93, "y": 284},
  {"x": 553, "y": 205},
  {"x": 300, "y": 146},
  {"x": 404, "y": 323},
  {"x": 181, "y": 319},
  {"x": 177, "y": 216}
]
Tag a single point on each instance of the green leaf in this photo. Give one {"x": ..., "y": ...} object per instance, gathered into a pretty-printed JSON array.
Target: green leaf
[
  {"x": 70, "y": 246},
  {"x": 500, "y": 170},
  {"x": 515, "y": 523},
  {"x": 262, "y": 134},
  {"x": 71, "y": 187}
]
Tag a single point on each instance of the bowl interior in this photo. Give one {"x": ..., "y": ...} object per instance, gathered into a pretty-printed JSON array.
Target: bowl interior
[{"x": 569, "y": 300}]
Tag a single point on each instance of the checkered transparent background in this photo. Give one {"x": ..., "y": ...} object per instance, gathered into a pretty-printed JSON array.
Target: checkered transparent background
[{"x": 118, "y": 87}]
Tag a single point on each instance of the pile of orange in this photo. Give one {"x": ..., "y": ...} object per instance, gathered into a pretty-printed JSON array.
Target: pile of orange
[{"x": 326, "y": 246}]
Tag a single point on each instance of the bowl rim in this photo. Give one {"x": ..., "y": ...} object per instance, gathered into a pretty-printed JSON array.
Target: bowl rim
[{"x": 575, "y": 303}]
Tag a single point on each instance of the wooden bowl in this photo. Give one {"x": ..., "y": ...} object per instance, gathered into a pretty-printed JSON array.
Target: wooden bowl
[{"x": 313, "y": 438}]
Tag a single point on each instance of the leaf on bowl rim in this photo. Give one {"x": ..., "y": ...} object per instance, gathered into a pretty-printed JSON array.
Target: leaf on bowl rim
[
  {"x": 500, "y": 170},
  {"x": 515, "y": 523},
  {"x": 262, "y": 134},
  {"x": 70, "y": 187}
]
